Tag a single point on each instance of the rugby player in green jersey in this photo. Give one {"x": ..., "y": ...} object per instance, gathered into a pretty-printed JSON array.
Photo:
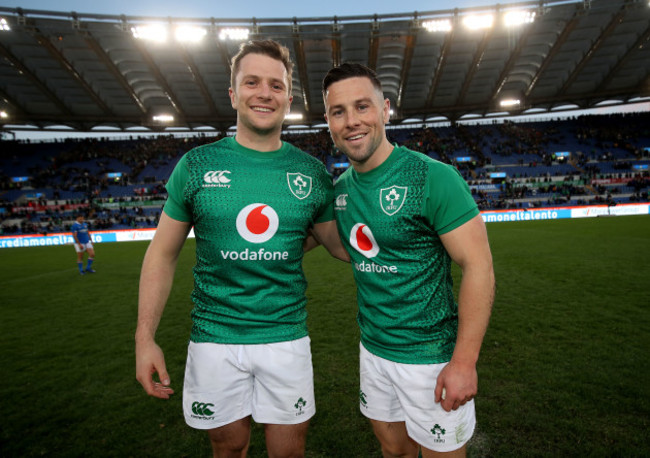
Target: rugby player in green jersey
[
  {"x": 404, "y": 218},
  {"x": 252, "y": 201}
]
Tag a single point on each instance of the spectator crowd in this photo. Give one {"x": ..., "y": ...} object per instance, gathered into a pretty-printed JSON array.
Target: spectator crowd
[{"x": 120, "y": 183}]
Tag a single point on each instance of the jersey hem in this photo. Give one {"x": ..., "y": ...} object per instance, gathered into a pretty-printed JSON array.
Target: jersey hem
[
  {"x": 396, "y": 357},
  {"x": 262, "y": 341}
]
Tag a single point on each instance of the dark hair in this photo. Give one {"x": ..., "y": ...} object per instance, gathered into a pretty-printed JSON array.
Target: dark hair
[
  {"x": 269, "y": 48},
  {"x": 350, "y": 70}
]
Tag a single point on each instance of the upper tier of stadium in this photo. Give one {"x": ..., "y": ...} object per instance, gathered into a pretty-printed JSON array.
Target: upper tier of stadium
[{"x": 95, "y": 72}]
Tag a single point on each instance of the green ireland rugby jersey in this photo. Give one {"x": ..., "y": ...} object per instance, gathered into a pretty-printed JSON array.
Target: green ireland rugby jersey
[
  {"x": 251, "y": 212},
  {"x": 390, "y": 219}
]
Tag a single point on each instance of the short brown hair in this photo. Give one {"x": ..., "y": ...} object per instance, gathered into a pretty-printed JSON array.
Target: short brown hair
[
  {"x": 350, "y": 70},
  {"x": 269, "y": 48}
]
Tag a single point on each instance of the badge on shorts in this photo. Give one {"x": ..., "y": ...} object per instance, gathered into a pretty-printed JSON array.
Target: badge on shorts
[
  {"x": 299, "y": 184},
  {"x": 392, "y": 199}
]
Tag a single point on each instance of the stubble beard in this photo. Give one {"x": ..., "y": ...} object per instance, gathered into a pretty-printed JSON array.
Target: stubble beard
[{"x": 361, "y": 156}]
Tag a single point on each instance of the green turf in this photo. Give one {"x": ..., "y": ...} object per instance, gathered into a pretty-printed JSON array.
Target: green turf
[{"x": 564, "y": 369}]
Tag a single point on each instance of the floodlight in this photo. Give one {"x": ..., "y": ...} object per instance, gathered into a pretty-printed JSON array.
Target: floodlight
[
  {"x": 164, "y": 118},
  {"x": 478, "y": 22},
  {"x": 515, "y": 18},
  {"x": 236, "y": 34},
  {"x": 152, "y": 32},
  {"x": 190, "y": 34},
  {"x": 4, "y": 114},
  {"x": 4, "y": 25},
  {"x": 510, "y": 103},
  {"x": 438, "y": 25},
  {"x": 293, "y": 116}
]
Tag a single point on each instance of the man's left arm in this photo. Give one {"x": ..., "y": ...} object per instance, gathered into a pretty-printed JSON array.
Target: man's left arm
[
  {"x": 75, "y": 236},
  {"x": 468, "y": 247},
  {"x": 327, "y": 235}
]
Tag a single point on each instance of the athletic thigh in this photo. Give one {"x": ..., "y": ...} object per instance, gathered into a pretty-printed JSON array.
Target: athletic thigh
[
  {"x": 394, "y": 439},
  {"x": 231, "y": 439},
  {"x": 286, "y": 440}
]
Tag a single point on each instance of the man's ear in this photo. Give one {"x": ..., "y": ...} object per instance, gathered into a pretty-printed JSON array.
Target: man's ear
[
  {"x": 232, "y": 95},
  {"x": 386, "y": 111}
]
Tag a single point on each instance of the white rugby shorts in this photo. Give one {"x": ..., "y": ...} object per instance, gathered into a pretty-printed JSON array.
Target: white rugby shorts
[
  {"x": 81, "y": 247},
  {"x": 272, "y": 382},
  {"x": 395, "y": 392}
]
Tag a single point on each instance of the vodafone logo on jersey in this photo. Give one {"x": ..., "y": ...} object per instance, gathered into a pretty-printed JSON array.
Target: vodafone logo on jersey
[
  {"x": 257, "y": 223},
  {"x": 363, "y": 241}
]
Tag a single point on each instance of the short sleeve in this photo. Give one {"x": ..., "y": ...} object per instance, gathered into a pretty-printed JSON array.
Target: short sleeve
[
  {"x": 448, "y": 202},
  {"x": 175, "y": 206}
]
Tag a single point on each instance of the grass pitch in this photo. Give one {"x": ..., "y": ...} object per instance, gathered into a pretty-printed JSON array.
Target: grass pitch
[{"x": 564, "y": 371}]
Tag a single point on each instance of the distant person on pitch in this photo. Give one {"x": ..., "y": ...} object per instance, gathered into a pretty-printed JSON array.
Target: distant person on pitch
[
  {"x": 83, "y": 243},
  {"x": 404, "y": 218},
  {"x": 253, "y": 200}
]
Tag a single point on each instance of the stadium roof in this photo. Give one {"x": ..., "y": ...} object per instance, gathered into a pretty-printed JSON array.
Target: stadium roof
[{"x": 90, "y": 71}]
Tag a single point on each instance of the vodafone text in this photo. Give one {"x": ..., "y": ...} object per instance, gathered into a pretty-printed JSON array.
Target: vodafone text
[
  {"x": 255, "y": 255},
  {"x": 364, "y": 266}
]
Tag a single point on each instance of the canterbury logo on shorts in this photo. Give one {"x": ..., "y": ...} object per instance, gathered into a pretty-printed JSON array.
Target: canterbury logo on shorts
[{"x": 202, "y": 409}]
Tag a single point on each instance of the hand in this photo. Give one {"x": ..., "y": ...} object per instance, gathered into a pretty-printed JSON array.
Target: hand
[
  {"x": 149, "y": 359},
  {"x": 458, "y": 383}
]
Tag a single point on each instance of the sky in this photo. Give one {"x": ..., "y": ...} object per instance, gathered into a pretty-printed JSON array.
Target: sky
[{"x": 247, "y": 8}]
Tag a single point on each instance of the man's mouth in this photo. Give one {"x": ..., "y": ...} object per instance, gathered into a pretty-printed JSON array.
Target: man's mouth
[{"x": 356, "y": 137}]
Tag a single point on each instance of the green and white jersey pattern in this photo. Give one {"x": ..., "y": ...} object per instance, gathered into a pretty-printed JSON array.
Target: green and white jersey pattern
[
  {"x": 251, "y": 212},
  {"x": 390, "y": 220}
]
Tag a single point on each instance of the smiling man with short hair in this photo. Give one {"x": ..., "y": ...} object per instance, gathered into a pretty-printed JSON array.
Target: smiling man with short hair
[
  {"x": 404, "y": 218},
  {"x": 252, "y": 200}
]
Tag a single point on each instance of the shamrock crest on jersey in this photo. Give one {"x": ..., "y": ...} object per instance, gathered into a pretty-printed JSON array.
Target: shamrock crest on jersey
[
  {"x": 299, "y": 184},
  {"x": 392, "y": 199}
]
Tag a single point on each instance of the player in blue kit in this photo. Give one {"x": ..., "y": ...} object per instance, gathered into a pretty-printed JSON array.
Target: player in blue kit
[
  {"x": 252, "y": 200},
  {"x": 83, "y": 243}
]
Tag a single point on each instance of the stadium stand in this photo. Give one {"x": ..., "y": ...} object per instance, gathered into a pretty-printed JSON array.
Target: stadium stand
[{"x": 119, "y": 183}]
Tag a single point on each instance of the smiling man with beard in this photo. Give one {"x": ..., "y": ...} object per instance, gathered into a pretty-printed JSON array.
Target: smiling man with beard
[{"x": 404, "y": 218}]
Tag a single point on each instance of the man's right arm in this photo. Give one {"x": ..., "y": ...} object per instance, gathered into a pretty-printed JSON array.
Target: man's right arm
[
  {"x": 156, "y": 279},
  {"x": 327, "y": 234}
]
